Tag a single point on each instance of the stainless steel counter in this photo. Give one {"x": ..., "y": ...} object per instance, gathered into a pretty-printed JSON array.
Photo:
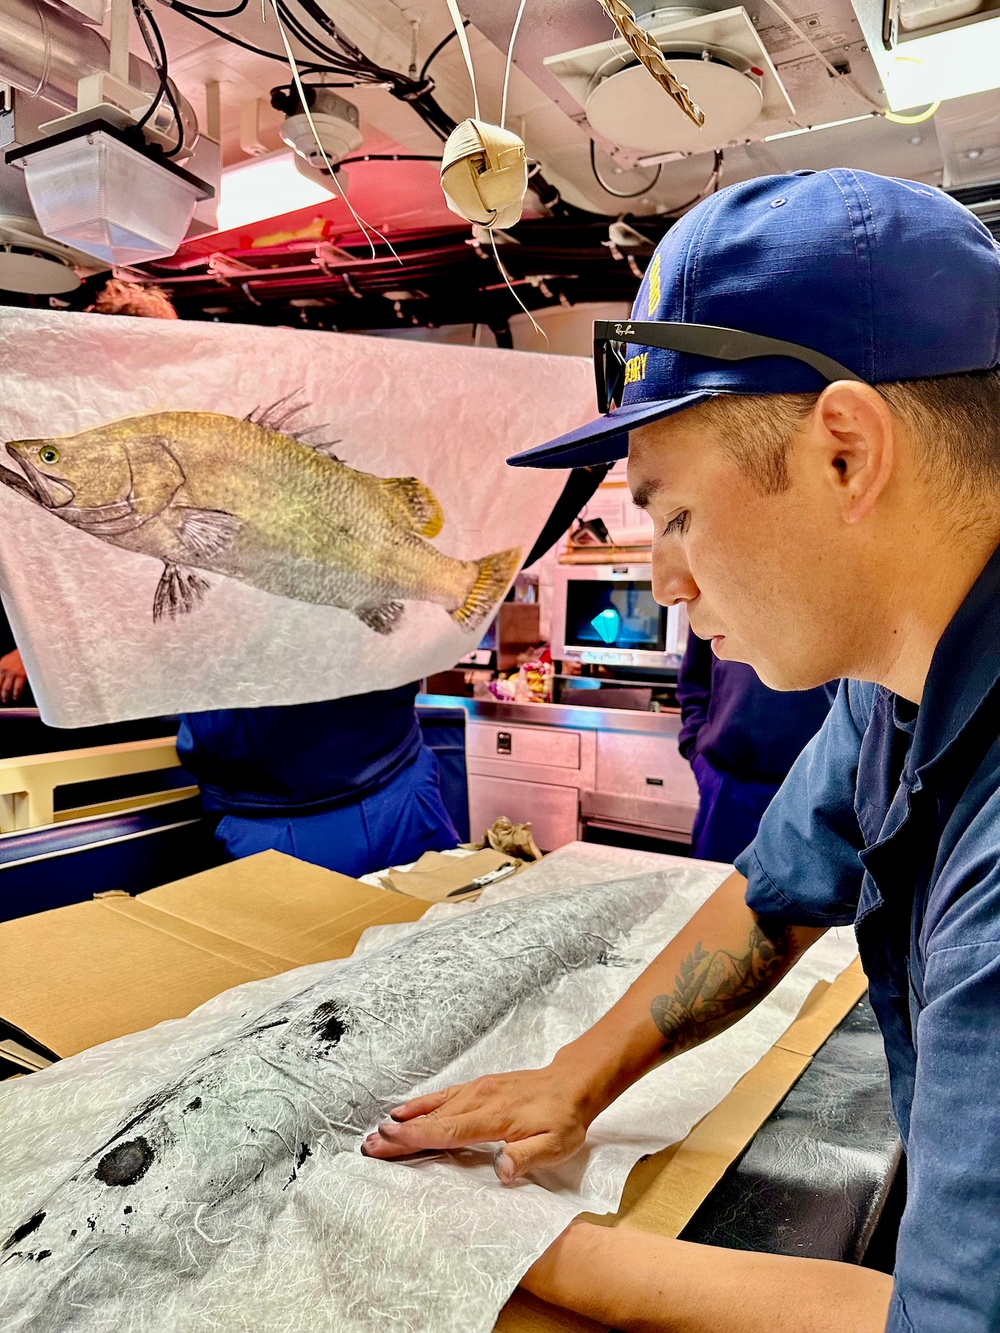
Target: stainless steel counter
[
  {"x": 566, "y": 768},
  {"x": 667, "y": 723}
]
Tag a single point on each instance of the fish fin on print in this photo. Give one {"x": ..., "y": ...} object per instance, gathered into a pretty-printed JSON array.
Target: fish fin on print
[
  {"x": 281, "y": 416},
  {"x": 492, "y": 581},
  {"x": 382, "y": 619},
  {"x": 425, "y": 513},
  {"x": 206, "y": 532},
  {"x": 178, "y": 592}
]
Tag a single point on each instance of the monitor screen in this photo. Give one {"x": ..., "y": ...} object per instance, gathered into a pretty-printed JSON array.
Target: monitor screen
[{"x": 620, "y": 614}]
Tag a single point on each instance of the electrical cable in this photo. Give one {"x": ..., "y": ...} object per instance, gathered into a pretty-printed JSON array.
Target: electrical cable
[
  {"x": 303, "y": 100},
  {"x": 153, "y": 107},
  {"x": 710, "y": 186},
  {"x": 437, "y": 51},
  {"x": 214, "y": 13},
  {"x": 619, "y": 194},
  {"x": 147, "y": 24}
]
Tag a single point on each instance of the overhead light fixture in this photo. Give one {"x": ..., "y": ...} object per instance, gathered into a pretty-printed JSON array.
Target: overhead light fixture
[
  {"x": 942, "y": 65},
  {"x": 266, "y": 187},
  {"x": 94, "y": 189}
]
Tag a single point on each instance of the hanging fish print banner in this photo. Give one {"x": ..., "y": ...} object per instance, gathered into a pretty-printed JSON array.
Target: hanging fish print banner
[{"x": 200, "y": 516}]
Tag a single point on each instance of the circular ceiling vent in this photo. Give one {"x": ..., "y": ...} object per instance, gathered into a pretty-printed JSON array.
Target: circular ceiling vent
[
  {"x": 31, "y": 264},
  {"x": 630, "y": 109}
]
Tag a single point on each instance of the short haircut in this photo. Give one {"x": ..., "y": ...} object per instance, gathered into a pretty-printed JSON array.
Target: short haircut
[
  {"x": 953, "y": 419},
  {"x": 130, "y": 298}
]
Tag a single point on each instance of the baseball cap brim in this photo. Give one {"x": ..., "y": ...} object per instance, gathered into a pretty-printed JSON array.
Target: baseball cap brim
[{"x": 606, "y": 439}]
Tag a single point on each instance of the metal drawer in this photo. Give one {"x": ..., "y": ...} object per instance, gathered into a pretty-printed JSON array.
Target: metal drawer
[{"x": 548, "y": 746}]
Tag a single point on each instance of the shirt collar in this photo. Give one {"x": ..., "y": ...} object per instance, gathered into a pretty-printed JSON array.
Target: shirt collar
[{"x": 965, "y": 668}]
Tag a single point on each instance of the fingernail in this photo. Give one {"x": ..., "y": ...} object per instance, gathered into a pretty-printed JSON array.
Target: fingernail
[
  {"x": 396, "y": 1112},
  {"x": 385, "y": 1130},
  {"x": 504, "y": 1168}
]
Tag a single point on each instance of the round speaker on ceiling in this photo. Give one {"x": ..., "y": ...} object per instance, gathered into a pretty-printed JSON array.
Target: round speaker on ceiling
[
  {"x": 26, "y": 271},
  {"x": 630, "y": 109}
]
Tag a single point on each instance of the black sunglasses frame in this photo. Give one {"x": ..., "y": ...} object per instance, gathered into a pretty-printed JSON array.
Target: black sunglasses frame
[{"x": 611, "y": 339}]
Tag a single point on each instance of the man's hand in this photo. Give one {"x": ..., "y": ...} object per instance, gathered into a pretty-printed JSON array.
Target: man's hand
[
  {"x": 13, "y": 677},
  {"x": 723, "y": 962},
  {"x": 539, "y": 1113}
]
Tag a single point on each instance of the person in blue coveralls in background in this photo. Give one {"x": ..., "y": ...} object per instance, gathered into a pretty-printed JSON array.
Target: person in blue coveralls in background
[
  {"x": 808, "y": 392},
  {"x": 740, "y": 739},
  {"x": 347, "y": 784}
]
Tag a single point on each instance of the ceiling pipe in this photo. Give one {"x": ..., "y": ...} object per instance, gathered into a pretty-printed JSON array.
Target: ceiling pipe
[{"x": 45, "y": 53}]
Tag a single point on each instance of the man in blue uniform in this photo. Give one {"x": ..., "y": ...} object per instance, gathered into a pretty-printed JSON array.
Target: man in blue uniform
[
  {"x": 811, "y": 389},
  {"x": 348, "y": 784},
  {"x": 740, "y": 739}
]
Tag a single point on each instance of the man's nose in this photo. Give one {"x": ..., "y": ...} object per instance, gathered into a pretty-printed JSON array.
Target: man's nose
[{"x": 672, "y": 581}]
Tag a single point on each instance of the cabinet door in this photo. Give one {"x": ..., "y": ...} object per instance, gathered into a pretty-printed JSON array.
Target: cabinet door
[
  {"x": 629, "y": 764},
  {"x": 552, "y": 812}
]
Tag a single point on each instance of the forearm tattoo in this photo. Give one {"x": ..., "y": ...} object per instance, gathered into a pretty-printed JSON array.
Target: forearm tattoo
[{"x": 712, "y": 990}]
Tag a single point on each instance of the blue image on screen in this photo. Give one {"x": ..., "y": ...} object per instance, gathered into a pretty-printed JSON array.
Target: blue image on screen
[{"x": 616, "y": 614}]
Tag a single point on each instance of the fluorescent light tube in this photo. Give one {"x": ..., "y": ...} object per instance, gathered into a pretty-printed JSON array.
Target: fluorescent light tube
[
  {"x": 266, "y": 187},
  {"x": 953, "y": 63}
]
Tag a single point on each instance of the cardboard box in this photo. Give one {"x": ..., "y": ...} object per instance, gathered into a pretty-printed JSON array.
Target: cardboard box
[{"x": 80, "y": 975}]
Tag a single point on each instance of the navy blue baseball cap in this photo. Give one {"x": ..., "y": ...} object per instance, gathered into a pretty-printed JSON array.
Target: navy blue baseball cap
[{"x": 885, "y": 279}]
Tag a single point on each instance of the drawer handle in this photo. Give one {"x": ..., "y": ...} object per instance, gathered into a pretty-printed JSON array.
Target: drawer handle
[{"x": 654, "y": 782}]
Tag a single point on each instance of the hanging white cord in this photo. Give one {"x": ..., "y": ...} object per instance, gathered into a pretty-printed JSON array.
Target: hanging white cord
[
  {"x": 365, "y": 227},
  {"x": 463, "y": 42},
  {"x": 510, "y": 60},
  {"x": 837, "y": 74}
]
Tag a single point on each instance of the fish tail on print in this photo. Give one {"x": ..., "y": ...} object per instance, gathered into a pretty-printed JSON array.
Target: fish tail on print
[{"x": 493, "y": 577}]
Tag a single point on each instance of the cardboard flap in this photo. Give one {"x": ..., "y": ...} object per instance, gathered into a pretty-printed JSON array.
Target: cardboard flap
[
  {"x": 290, "y": 909},
  {"x": 80, "y": 975}
]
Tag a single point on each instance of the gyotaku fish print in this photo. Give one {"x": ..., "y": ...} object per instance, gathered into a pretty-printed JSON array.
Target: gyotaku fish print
[
  {"x": 212, "y": 1161},
  {"x": 254, "y": 501}
]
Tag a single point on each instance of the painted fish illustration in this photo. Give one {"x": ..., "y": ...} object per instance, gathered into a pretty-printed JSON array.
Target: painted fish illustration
[
  {"x": 217, "y": 1156},
  {"x": 249, "y": 500}
]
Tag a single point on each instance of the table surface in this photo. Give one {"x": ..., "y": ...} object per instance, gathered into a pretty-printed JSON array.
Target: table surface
[{"x": 815, "y": 1178}]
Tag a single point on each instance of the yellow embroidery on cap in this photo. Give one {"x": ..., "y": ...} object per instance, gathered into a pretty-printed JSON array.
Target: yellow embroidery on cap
[
  {"x": 635, "y": 368},
  {"x": 653, "y": 287}
]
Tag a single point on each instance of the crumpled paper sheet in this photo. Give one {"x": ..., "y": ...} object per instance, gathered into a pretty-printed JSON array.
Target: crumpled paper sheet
[
  {"x": 82, "y": 609},
  {"x": 429, "y": 1246}
]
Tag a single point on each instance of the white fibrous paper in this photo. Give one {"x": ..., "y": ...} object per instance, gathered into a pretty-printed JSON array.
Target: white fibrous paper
[
  {"x": 204, "y": 1176},
  {"x": 159, "y": 552}
]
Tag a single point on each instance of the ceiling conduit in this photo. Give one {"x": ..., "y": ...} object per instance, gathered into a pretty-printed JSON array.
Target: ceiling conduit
[{"x": 44, "y": 53}]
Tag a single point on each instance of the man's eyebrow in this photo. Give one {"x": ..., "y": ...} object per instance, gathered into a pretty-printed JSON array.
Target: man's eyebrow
[{"x": 644, "y": 493}]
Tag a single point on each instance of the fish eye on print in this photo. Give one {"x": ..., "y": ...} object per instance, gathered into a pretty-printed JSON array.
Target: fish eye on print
[{"x": 256, "y": 500}]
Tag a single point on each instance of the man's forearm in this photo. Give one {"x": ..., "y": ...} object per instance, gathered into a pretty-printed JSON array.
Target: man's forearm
[
  {"x": 724, "y": 961},
  {"x": 650, "y": 1284}
]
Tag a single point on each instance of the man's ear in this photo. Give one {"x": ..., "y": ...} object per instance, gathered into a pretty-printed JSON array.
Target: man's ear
[{"x": 854, "y": 433}]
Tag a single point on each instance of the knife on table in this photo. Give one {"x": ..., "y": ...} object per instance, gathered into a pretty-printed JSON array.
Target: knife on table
[{"x": 481, "y": 881}]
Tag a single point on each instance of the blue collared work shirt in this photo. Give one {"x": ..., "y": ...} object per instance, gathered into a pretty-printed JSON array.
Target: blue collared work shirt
[{"x": 890, "y": 821}]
